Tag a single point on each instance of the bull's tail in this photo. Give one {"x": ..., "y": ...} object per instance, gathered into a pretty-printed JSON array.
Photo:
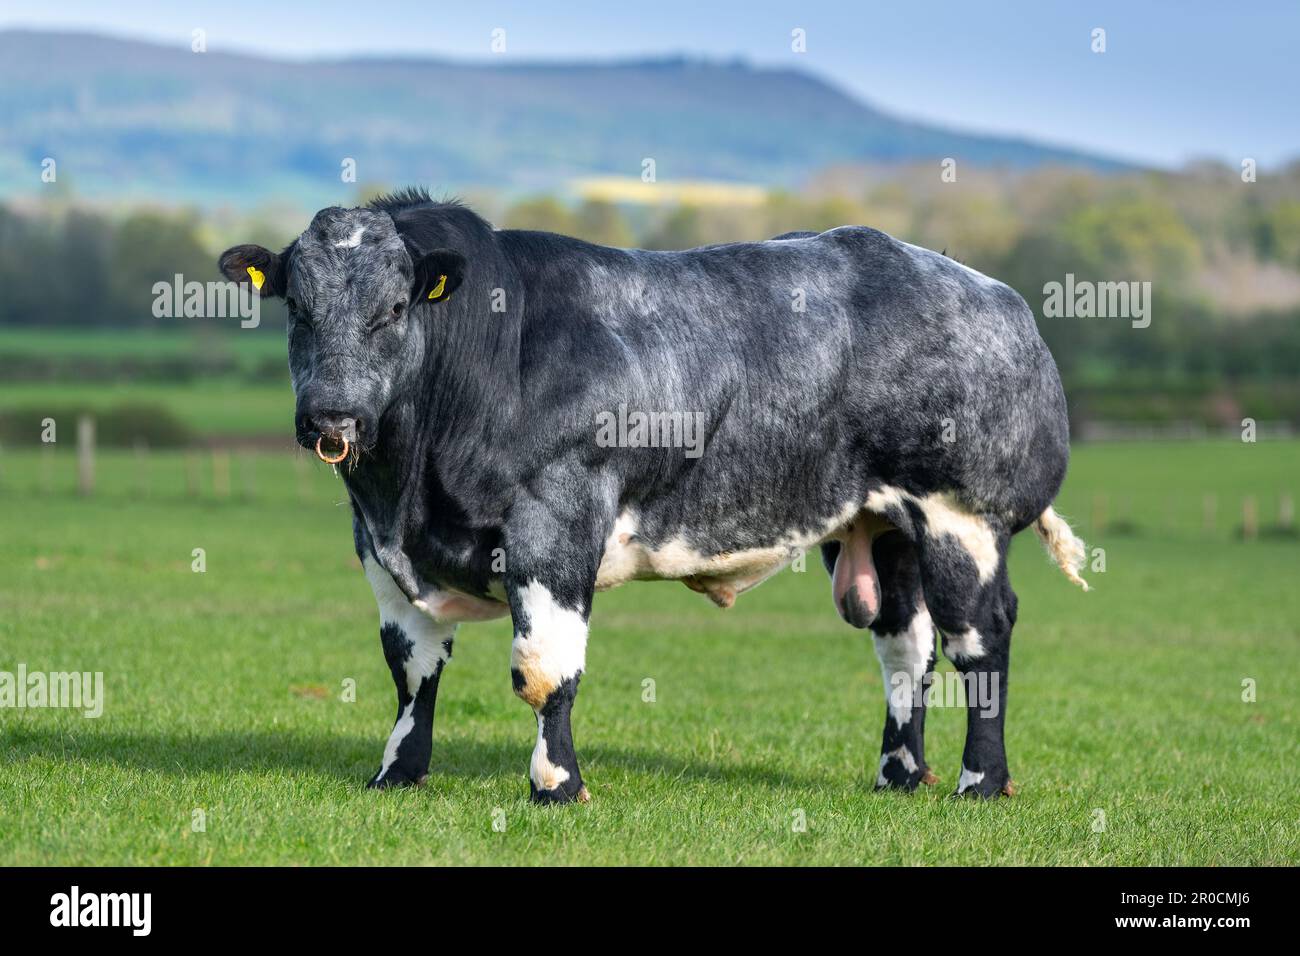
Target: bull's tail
[{"x": 1066, "y": 549}]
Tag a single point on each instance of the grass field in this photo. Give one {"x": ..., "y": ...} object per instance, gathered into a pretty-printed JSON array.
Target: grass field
[{"x": 223, "y": 693}]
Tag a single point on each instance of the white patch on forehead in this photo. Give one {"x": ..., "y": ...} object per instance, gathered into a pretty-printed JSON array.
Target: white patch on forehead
[
  {"x": 352, "y": 241},
  {"x": 903, "y": 660},
  {"x": 944, "y": 515}
]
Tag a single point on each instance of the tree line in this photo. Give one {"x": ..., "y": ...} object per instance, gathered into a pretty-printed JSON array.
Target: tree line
[{"x": 1219, "y": 249}]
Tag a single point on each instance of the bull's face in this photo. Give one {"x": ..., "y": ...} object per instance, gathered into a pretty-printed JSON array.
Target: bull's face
[{"x": 359, "y": 299}]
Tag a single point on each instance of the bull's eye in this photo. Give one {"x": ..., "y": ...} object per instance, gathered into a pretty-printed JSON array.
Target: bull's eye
[
  {"x": 292, "y": 304},
  {"x": 398, "y": 309}
]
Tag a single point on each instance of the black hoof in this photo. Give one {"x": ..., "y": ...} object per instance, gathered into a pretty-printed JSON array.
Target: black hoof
[
  {"x": 565, "y": 793},
  {"x": 397, "y": 777},
  {"x": 988, "y": 788},
  {"x": 896, "y": 778}
]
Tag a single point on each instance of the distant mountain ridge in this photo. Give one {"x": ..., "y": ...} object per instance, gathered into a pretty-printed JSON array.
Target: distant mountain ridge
[{"x": 142, "y": 120}]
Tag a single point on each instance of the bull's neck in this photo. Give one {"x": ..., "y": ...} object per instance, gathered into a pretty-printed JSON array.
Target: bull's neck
[{"x": 436, "y": 438}]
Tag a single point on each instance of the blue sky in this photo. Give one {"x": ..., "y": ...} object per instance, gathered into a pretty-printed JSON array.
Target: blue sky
[{"x": 1178, "y": 80}]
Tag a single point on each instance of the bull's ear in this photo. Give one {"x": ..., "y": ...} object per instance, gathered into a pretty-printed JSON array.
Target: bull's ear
[
  {"x": 437, "y": 275},
  {"x": 260, "y": 267}
]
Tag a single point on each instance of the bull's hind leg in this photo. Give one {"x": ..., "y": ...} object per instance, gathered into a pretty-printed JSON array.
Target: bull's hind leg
[
  {"x": 416, "y": 648},
  {"x": 982, "y": 654},
  {"x": 964, "y": 580},
  {"x": 904, "y": 639}
]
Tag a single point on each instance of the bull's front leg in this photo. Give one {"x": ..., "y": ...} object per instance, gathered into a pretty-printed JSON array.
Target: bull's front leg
[
  {"x": 550, "y": 579},
  {"x": 416, "y": 648}
]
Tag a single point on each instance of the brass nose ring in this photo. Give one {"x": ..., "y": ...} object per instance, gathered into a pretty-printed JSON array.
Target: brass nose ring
[{"x": 320, "y": 452}]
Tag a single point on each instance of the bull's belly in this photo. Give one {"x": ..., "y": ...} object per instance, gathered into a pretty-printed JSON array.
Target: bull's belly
[
  {"x": 726, "y": 573},
  {"x": 721, "y": 575}
]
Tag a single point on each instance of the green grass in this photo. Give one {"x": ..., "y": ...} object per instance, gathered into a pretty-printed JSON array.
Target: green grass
[{"x": 223, "y": 694}]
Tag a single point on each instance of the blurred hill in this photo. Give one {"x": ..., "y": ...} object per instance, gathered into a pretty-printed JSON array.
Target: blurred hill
[{"x": 135, "y": 121}]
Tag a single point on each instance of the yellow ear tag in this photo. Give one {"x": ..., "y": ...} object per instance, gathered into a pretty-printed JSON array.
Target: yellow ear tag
[
  {"x": 256, "y": 275},
  {"x": 437, "y": 290}
]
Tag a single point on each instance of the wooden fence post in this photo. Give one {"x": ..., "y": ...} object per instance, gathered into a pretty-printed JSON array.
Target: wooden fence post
[
  {"x": 1249, "y": 517},
  {"x": 1100, "y": 505},
  {"x": 142, "y": 467},
  {"x": 192, "y": 474},
  {"x": 248, "y": 472},
  {"x": 86, "y": 455},
  {"x": 47, "y": 468},
  {"x": 221, "y": 474}
]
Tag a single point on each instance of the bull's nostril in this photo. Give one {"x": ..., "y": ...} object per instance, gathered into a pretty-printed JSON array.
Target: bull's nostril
[{"x": 336, "y": 426}]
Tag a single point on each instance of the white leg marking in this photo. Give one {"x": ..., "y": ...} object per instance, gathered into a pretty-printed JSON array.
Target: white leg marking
[
  {"x": 427, "y": 635},
  {"x": 903, "y": 660},
  {"x": 555, "y": 647},
  {"x": 428, "y": 649},
  {"x": 965, "y": 647},
  {"x": 968, "y": 779},
  {"x": 545, "y": 775},
  {"x": 405, "y": 724},
  {"x": 903, "y": 756}
]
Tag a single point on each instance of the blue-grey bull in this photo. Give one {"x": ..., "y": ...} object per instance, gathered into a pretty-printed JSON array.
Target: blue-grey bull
[{"x": 524, "y": 419}]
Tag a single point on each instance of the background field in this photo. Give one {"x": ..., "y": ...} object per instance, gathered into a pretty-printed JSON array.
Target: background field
[{"x": 223, "y": 692}]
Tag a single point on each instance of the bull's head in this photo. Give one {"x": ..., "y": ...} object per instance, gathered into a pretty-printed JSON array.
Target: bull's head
[{"x": 358, "y": 297}]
